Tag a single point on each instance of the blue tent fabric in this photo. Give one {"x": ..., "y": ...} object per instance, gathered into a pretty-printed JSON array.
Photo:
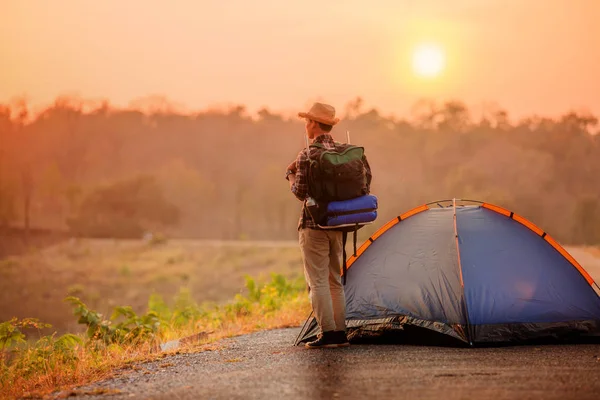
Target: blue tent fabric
[
  {"x": 427, "y": 287},
  {"x": 482, "y": 277},
  {"x": 512, "y": 275}
]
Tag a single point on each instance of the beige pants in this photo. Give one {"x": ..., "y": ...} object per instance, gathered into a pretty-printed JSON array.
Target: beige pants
[{"x": 322, "y": 254}]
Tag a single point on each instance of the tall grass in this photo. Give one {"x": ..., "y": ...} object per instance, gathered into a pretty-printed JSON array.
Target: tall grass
[{"x": 32, "y": 365}]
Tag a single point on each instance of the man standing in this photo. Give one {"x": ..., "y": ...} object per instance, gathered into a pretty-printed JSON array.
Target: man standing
[{"x": 321, "y": 249}]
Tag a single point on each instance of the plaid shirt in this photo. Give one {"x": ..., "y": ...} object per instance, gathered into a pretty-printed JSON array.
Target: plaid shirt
[{"x": 300, "y": 186}]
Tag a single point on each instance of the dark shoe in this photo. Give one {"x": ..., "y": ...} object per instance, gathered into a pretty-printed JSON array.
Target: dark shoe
[
  {"x": 341, "y": 339},
  {"x": 327, "y": 339}
]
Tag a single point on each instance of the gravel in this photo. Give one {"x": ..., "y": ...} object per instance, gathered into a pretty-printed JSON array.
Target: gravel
[{"x": 267, "y": 365}]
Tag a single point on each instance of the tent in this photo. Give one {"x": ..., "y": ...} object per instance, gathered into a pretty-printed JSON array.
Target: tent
[{"x": 470, "y": 272}]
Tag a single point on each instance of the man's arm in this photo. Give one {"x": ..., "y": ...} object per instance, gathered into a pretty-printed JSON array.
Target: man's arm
[
  {"x": 299, "y": 181},
  {"x": 292, "y": 166}
]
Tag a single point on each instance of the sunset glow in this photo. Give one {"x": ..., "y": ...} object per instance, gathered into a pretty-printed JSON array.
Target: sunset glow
[{"x": 527, "y": 56}]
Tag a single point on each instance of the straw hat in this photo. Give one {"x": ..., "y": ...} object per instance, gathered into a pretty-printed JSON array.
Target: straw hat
[{"x": 323, "y": 113}]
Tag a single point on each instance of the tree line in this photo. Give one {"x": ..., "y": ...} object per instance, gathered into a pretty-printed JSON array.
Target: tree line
[{"x": 97, "y": 170}]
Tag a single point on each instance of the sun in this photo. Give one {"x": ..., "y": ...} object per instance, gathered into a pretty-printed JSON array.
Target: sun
[{"x": 428, "y": 60}]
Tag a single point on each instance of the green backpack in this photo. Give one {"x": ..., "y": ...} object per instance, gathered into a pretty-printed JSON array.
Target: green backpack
[{"x": 336, "y": 174}]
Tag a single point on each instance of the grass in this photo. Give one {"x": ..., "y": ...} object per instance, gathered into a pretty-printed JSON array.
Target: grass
[
  {"x": 36, "y": 368},
  {"x": 107, "y": 273},
  {"x": 137, "y": 295}
]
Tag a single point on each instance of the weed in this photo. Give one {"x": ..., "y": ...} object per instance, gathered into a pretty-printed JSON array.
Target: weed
[
  {"x": 184, "y": 313},
  {"x": 175, "y": 259},
  {"x": 186, "y": 309},
  {"x": 184, "y": 277},
  {"x": 161, "y": 278},
  {"x": 125, "y": 271},
  {"x": 75, "y": 290},
  {"x": 9, "y": 263},
  {"x": 267, "y": 298},
  {"x": 11, "y": 332},
  {"x": 158, "y": 305},
  {"x": 19, "y": 360},
  {"x": 49, "y": 353},
  {"x": 132, "y": 328},
  {"x": 157, "y": 239}
]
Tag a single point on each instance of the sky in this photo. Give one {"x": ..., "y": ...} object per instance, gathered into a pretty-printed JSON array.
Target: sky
[{"x": 527, "y": 56}]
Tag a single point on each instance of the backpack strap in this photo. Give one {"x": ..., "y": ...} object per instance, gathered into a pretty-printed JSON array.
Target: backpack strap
[
  {"x": 344, "y": 240},
  {"x": 344, "y": 265},
  {"x": 355, "y": 230}
]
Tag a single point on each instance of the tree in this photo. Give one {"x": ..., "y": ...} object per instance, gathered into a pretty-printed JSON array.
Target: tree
[
  {"x": 574, "y": 122},
  {"x": 187, "y": 188},
  {"x": 219, "y": 166},
  {"x": 125, "y": 209},
  {"x": 455, "y": 117},
  {"x": 21, "y": 112},
  {"x": 354, "y": 108},
  {"x": 7, "y": 203},
  {"x": 586, "y": 221},
  {"x": 8, "y": 196}
]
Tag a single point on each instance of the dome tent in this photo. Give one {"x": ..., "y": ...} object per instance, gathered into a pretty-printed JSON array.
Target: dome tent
[{"x": 470, "y": 271}]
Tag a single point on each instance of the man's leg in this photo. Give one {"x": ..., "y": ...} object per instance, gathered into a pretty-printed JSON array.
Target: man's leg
[
  {"x": 336, "y": 288},
  {"x": 315, "y": 252}
]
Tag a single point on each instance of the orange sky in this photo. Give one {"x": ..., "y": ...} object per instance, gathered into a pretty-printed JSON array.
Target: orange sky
[{"x": 530, "y": 56}]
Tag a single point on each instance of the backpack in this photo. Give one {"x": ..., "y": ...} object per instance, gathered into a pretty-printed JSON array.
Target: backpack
[
  {"x": 336, "y": 174},
  {"x": 339, "y": 190}
]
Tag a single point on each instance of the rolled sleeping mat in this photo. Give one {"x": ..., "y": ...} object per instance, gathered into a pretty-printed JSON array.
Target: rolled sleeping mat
[
  {"x": 360, "y": 210},
  {"x": 360, "y": 218},
  {"x": 367, "y": 202}
]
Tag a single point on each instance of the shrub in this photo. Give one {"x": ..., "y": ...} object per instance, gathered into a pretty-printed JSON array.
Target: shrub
[
  {"x": 132, "y": 329},
  {"x": 22, "y": 360},
  {"x": 267, "y": 298}
]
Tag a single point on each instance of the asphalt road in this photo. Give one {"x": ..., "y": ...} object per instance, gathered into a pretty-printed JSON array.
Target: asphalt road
[{"x": 265, "y": 365}]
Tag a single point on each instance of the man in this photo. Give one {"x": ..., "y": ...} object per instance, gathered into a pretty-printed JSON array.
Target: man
[{"x": 321, "y": 249}]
